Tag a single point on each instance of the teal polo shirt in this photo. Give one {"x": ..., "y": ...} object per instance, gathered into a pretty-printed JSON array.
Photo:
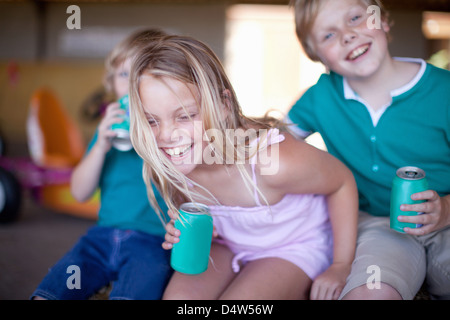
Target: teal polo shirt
[
  {"x": 413, "y": 130},
  {"x": 123, "y": 195}
]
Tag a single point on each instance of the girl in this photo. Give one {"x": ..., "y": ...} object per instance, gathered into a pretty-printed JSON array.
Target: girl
[
  {"x": 123, "y": 248},
  {"x": 267, "y": 192}
]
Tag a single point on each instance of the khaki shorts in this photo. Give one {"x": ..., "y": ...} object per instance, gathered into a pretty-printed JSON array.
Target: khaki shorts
[{"x": 400, "y": 260}]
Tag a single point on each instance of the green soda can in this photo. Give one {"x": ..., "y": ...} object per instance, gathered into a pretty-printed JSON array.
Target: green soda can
[
  {"x": 408, "y": 180},
  {"x": 122, "y": 140},
  {"x": 191, "y": 254}
]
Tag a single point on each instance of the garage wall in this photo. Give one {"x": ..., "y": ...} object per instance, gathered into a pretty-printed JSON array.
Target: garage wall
[{"x": 38, "y": 49}]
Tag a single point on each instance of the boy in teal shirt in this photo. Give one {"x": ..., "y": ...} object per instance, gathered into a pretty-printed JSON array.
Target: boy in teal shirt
[
  {"x": 124, "y": 248},
  {"x": 377, "y": 114}
]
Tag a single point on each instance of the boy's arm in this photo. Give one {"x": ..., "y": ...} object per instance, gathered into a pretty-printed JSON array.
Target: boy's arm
[
  {"x": 300, "y": 119},
  {"x": 86, "y": 175},
  {"x": 295, "y": 130}
]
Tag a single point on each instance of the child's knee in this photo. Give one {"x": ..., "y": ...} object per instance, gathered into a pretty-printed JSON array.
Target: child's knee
[{"x": 179, "y": 294}]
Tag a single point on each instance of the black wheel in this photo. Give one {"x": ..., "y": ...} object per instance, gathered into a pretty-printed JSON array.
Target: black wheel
[
  {"x": 10, "y": 197},
  {"x": 2, "y": 146}
]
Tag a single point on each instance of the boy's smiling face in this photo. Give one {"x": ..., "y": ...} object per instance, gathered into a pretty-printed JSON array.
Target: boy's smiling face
[{"x": 344, "y": 43}]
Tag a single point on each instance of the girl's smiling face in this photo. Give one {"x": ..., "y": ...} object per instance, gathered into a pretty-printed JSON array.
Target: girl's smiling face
[
  {"x": 344, "y": 43},
  {"x": 173, "y": 113}
]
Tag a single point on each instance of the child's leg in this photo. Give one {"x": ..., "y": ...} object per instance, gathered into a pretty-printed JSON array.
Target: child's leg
[
  {"x": 388, "y": 264},
  {"x": 438, "y": 262},
  {"x": 86, "y": 264},
  {"x": 206, "y": 286},
  {"x": 269, "y": 279},
  {"x": 142, "y": 265}
]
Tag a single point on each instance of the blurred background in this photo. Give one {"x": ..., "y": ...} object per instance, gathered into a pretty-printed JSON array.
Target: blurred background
[{"x": 255, "y": 39}]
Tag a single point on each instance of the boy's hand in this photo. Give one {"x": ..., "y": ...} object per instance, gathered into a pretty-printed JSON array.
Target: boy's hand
[
  {"x": 436, "y": 212},
  {"x": 105, "y": 134},
  {"x": 329, "y": 285}
]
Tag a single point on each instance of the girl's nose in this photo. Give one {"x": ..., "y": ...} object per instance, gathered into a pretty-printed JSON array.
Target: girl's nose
[
  {"x": 168, "y": 133},
  {"x": 165, "y": 132}
]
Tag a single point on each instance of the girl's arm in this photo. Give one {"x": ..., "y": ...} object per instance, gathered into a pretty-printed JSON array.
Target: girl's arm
[
  {"x": 305, "y": 169},
  {"x": 86, "y": 175}
]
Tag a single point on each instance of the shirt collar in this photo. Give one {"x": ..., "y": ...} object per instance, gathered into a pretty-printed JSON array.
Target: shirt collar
[{"x": 349, "y": 93}]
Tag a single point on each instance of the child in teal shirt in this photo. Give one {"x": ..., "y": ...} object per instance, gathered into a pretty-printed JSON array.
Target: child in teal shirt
[
  {"x": 124, "y": 248},
  {"x": 377, "y": 114}
]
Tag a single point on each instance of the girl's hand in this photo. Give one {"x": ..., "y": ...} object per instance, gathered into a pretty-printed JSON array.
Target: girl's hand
[
  {"x": 172, "y": 234},
  {"x": 105, "y": 134},
  {"x": 329, "y": 285},
  {"x": 436, "y": 212}
]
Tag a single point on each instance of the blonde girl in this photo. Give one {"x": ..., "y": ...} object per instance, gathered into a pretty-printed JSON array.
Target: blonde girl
[{"x": 277, "y": 203}]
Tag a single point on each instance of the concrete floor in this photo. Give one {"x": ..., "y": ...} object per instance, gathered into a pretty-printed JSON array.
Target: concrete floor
[{"x": 32, "y": 244}]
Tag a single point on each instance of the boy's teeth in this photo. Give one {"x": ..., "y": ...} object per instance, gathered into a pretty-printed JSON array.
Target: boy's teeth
[{"x": 358, "y": 52}]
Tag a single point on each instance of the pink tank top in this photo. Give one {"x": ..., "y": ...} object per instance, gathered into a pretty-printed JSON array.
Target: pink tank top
[{"x": 295, "y": 219}]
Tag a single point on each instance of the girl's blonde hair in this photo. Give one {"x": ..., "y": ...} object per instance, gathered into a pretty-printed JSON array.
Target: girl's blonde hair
[
  {"x": 306, "y": 12},
  {"x": 126, "y": 48},
  {"x": 191, "y": 62}
]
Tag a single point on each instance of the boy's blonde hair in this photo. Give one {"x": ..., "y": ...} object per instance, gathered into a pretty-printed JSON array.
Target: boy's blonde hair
[
  {"x": 191, "y": 62},
  {"x": 306, "y": 12},
  {"x": 126, "y": 48}
]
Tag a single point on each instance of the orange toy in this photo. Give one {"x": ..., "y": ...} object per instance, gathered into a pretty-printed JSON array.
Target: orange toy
[
  {"x": 53, "y": 138},
  {"x": 56, "y": 146}
]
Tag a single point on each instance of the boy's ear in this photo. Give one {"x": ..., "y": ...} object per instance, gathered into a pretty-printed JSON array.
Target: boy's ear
[{"x": 385, "y": 25}]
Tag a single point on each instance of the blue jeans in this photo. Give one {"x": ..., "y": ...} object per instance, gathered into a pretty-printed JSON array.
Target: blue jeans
[{"x": 133, "y": 261}]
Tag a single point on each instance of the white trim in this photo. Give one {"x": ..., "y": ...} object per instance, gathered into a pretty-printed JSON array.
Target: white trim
[
  {"x": 295, "y": 130},
  {"x": 415, "y": 80},
  {"x": 375, "y": 115}
]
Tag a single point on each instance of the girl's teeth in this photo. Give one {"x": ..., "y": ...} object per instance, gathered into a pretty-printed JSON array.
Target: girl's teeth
[{"x": 176, "y": 151}]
